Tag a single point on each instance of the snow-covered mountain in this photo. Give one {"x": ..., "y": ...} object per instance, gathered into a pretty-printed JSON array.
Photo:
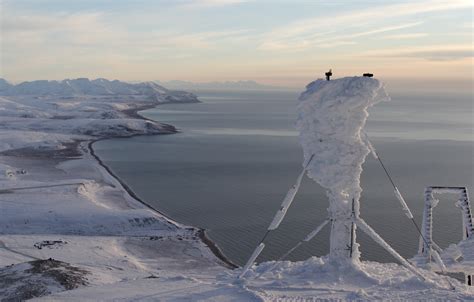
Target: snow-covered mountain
[
  {"x": 53, "y": 113},
  {"x": 98, "y": 87}
]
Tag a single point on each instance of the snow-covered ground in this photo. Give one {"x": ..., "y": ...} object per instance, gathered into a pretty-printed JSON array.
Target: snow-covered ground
[
  {"x": 107, "y": 245},
  {"x": 75, "y": 211}
]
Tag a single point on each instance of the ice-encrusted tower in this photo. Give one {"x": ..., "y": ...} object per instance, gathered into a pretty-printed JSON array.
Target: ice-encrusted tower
[{"x": 331, "y": 118}]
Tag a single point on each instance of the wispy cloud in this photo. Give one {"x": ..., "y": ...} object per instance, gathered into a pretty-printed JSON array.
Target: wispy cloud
[
  {"x": 209, "y": 3},
  {"x": 62, "y": 45},
  {"x": 302, "y": 31},
  {"x": 386, "y": 29},
  {"x": 336, "y": 44},
  {"x": 432, "y": 52},
  {"x": 406, "y": 36},
  {"x": 60, "y": 30},
  {"x": 95, "y": 30},
  {"x": 328, "y": 40},
  {"x": 468, "y": 25}
]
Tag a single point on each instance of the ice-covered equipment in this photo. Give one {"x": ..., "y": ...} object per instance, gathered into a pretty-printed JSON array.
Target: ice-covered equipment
[
  {"x": 331, "y": 117},
  {"x": 457, "y": 258}
]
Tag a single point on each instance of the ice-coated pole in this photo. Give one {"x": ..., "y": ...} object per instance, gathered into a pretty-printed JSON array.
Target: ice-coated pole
[
  {"x": 403, "y": 203},
  {"x": 316, "y": 231},
  {"x": 399, "y": 196},
  {"x": 376, "y": 237},
  {"x": 254, "y": 256},
  {"x": 369, "y": 145},
  {"x": 306, "y": 239},
  {"x": 290, "y": 196}
]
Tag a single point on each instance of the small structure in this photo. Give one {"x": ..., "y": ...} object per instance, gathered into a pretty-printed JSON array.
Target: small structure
[
  {"x": 328, "y": 75},
  {"x": 368, "y": 75},
  {"x": 457, "y": 258}
]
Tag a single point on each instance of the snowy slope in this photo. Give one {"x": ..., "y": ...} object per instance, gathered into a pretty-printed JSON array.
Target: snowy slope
[
  {"x": 39, "y": 277},
  {"x": 92, "y": 224},
  {"x": 301, "y": 281}
]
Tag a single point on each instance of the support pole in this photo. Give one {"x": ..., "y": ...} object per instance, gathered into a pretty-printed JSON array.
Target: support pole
[
  {"x": 285, "y": 205},
  {"x": 309, "y": 237},
  {"x": 352, "y": 231},
  {"x": 252, "y": 258},
  {"x": 372, "y": 234},
  {"x": 342, "y": 212}
]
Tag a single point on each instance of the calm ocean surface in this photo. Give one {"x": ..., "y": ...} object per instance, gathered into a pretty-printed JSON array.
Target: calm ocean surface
[{"x": 238, "y": 154}]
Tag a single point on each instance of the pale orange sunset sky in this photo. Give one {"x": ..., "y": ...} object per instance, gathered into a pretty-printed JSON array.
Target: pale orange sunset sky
[{"x": 274, "y": 42}]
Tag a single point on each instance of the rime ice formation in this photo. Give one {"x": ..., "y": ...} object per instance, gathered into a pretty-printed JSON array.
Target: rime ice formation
[{"x": 331, "y": 116}]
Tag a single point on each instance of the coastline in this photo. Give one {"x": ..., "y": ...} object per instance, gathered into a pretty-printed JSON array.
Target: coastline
[{"x": 213, "y": 247}]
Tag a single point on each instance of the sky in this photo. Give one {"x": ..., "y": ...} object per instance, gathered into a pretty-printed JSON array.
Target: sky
[{"x": 286, "y": 43}]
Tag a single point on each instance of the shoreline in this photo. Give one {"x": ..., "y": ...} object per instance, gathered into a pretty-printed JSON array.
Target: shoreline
[{"x": 213, "y": 247}]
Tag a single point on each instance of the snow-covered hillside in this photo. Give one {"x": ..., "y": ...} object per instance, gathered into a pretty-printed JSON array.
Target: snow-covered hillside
[
  {"x": 51, "y": 113},
  {"x": 58, "y": 201}
]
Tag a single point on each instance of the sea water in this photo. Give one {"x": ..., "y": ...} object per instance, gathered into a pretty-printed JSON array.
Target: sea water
[{"x": 238, "y": 153}]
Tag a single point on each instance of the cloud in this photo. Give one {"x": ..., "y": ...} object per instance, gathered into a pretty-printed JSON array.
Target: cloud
[
  {"x": 406, "y": 36},
  {"x": 385, "y": 29},
  {"x": 336, "y": 44},
  {"x": 328, "y": 40},
  {"x": 36, "y": 45},
  {"x": 468, "y": 25},
  {"x": 339, "y": 24},
  {"x": 100, "y": 31},
  {"x": 209, "y": 3},
  {"x": 56, "y": 29},
  {"x": 173, "y": 41},
  {"x": 432, "y": 53}
]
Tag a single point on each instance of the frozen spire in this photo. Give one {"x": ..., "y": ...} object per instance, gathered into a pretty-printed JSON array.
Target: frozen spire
[{"x": 331, "y": 117}]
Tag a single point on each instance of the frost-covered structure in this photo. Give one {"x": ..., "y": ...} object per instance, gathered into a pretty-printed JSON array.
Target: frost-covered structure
[
  {"x": 457, "y": 258},
  {"x": 331, "y": 117}
]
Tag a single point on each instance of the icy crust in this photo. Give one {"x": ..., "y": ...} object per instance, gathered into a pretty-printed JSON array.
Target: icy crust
[{"x": 331, "y": 116}]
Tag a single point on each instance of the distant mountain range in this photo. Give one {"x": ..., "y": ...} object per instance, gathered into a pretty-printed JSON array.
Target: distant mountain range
[
  {"x": 84, "y": 86},
  {"x": 227, "y": 85}
]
